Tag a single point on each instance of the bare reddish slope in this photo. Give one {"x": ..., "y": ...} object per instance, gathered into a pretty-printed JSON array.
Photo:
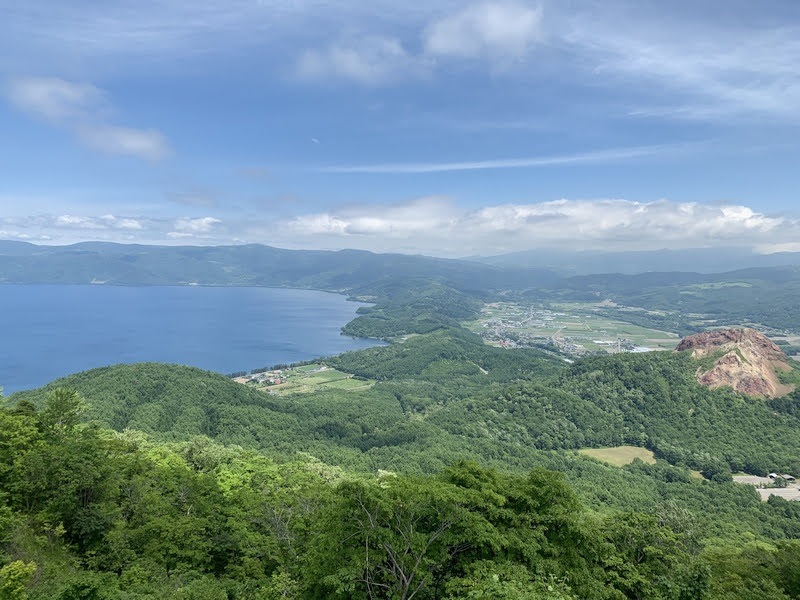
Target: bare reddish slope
[{"x": 748, "y": 365}]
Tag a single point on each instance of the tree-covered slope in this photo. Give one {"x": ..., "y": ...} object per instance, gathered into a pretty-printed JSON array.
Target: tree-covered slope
[
  {"x": 85, "y": 513},
  {"x": 412, "y": 307},
  {"x": 447, "y": 392},
  {"x": 158, "y": 398},
  {"x": 650, "y": 400},
  {"x": 445, "y": 397}
]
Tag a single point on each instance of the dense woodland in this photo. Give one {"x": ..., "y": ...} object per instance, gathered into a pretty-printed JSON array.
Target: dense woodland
[
  {"x": 453, "y": 473},
  {"x": 88, "y": 513}
]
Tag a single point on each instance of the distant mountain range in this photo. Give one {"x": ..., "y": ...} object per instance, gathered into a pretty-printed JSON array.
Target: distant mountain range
[
  {"x": 695, "y": 260},
  {"x": 353, "y": 271},
  {"x": 254, "y": 264}
]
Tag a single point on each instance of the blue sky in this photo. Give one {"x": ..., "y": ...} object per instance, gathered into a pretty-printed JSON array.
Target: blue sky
[{"x": 447, "y": 128}]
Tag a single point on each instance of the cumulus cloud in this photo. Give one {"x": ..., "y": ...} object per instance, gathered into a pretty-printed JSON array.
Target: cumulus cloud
[
  {"x": 78, "y": 222},
  {"x": 496, "y": 30},
  {"x": 55, "y": 99},
  {"x": 437, "y": 226},
  {"x": 399, "y": 220},
  {"x": 104, "y": 222},
  {"x": 122, "y": 222},
  {"x": 499, "y": 32},
  {"x": 69, "y": 228},
  {"x": 83, "y": 109},
  {"x": 198, "y": 225}
]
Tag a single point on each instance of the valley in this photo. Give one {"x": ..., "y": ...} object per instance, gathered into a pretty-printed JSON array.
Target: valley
[{"x": 575, "y": 329}]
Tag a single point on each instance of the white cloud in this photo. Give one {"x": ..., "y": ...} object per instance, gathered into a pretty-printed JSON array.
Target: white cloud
[
  {"x": 369, "y": 60},
  {"x": 203, "y": 229},
  {"x": 82, "y": 222},
  {"x": 422, "y": 214},
  {"x": 70, "y": 228},
  {"x": 78, "y": 222},
  {"x": 122, "y": 222},
  {"x": 82, "y": 109},
  {"x": 496, "y": 30},
  {"x": 436, "y": 226},
  {"x": 55, "y": 99},
  {"x": 198, "y": 225}
]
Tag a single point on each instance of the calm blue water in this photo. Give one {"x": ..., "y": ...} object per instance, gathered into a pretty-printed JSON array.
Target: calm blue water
[{"x": 48, "y": 331}]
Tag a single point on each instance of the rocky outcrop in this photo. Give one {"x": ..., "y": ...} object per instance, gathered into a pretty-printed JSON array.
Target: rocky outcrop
[{"x": 748, "y": 363}]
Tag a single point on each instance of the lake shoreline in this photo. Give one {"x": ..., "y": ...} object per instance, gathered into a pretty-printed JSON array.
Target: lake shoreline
[{"x": 108, "y": 324}]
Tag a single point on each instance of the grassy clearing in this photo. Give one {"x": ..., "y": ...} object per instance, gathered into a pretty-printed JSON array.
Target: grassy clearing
[
  {"x": 350, "y": 384},
  {"x": 620, "y": 455}
]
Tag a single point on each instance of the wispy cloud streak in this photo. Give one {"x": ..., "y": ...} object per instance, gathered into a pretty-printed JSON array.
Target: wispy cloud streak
[{"x": 599, "y": 156}]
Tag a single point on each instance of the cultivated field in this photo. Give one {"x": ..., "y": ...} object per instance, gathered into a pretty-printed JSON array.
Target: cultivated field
[
  {"x": 575, "y": 327},
  {"x": 312, "y": 378}
]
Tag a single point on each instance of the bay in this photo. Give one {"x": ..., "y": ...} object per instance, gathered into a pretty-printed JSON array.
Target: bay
[{"x": 48, "y": 331}]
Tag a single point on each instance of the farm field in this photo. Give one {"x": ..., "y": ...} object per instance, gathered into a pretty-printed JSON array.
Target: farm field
[
  {"x": 308, "y": 379},
  {"x": 575, "y": 328},
  {"x": 619, "y": 455}
]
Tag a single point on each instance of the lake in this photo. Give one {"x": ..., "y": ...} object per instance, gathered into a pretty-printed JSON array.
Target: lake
[{"x": 48, "y": 331}]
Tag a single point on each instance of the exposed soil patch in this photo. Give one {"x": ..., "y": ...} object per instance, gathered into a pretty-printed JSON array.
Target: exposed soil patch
[{"x": 749, "y": 363}]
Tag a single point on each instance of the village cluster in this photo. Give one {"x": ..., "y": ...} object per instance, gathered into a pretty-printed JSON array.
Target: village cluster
[
  {"x": 527, "y": 327},
  {"x": 274, "y": 377}
]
